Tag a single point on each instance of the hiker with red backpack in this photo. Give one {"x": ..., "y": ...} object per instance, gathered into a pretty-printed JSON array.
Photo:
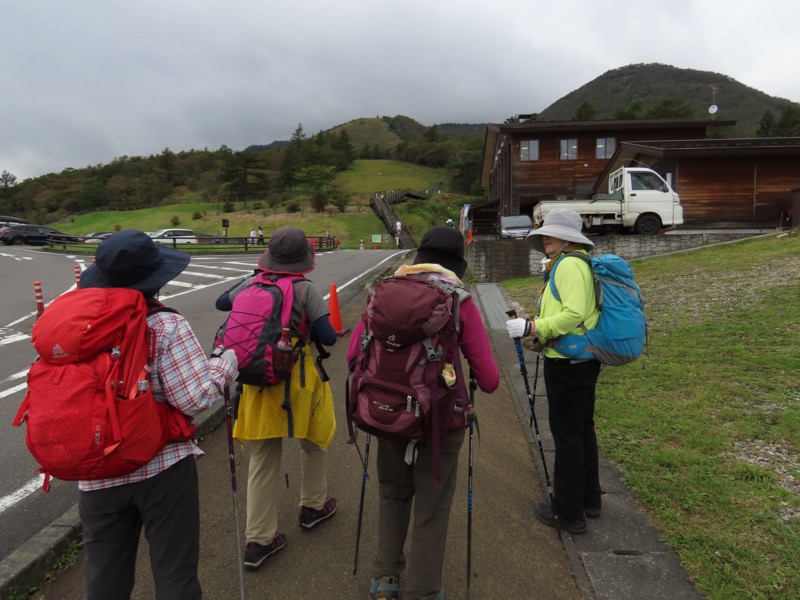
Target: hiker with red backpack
[
  {"x": 293, "y": 400},
  {"x": 417, "y": 472},
  {"x": 162, "y": 495}
]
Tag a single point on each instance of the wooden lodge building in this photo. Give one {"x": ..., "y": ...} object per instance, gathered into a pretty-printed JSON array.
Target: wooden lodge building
[{"x": 722, "y": 182}]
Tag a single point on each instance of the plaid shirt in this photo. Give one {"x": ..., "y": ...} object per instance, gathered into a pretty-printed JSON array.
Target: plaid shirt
[{"x": 183, "y": 376}]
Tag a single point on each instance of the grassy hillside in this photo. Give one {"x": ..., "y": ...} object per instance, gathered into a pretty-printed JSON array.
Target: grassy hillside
[
  {"x": 365, "y": 178},
  {"x": 654, "y": 82}
]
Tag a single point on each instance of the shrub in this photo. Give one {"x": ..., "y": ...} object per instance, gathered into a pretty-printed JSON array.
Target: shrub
[
  {"x": 293, "y": 207},
  {"x": 197, "y": 215},
  {"x": 228, "y": 207},
  {"x": 257, "y": 205},
  {"x": 175, "y": 220}
]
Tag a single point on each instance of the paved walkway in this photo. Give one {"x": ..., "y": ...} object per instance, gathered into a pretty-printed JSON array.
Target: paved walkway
[{"x": 513, "y": 555}]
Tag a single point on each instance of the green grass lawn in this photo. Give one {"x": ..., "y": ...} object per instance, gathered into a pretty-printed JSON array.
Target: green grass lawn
[
  {"x": 358, "y": 221},
  {"x": 706, "y": 427}
]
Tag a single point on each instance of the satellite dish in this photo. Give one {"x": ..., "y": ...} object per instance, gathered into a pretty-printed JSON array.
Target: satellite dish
[{"x": 713, "y": 108}]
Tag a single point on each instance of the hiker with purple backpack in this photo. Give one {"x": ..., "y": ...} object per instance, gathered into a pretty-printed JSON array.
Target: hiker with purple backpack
[
  {"x": 271, "y": 411},
  {"x": 421, "y": 476}
]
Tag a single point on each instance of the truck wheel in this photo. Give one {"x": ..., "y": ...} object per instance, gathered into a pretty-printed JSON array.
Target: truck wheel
[{"x": 648, "y": 225}]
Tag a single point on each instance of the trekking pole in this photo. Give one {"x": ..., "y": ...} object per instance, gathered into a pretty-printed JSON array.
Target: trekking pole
[
  {"x": 361, "y": 502},
  {"x": 229, "y": 426},
  {"x": 471, "y": 417},
  {"x": 531, "y": 399}
]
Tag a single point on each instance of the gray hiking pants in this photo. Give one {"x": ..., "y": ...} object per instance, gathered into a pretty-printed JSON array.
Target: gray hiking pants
[
  {"x": 167, "y": 505},
  {"x": 402, "y": 487}
]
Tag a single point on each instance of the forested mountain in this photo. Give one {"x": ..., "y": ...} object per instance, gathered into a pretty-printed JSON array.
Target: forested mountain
[
  {"x": 642, "y": 90},
  {"x": 279, "y": 171}
]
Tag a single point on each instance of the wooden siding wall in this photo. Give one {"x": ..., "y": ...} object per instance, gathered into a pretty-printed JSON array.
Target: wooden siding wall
[
  {"x": 549, "y": 177},
  {"x": 737, "y": 191}
]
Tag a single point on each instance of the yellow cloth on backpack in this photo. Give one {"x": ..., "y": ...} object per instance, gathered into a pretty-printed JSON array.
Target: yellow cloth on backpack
[{"x": 261, "y": 415}]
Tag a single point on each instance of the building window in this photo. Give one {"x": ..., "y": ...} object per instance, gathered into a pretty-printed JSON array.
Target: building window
[
  {"x": 569, "y": 149},
  {"x": 529, "y": 150},
  {"x": 606, "y": 147}
]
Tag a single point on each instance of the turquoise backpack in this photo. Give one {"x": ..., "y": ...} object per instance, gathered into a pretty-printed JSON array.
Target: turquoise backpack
[{"x": 621, "y": 333}]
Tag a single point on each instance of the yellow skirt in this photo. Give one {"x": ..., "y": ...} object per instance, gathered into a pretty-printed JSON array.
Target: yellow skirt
[{"x": 262, "y": 415}]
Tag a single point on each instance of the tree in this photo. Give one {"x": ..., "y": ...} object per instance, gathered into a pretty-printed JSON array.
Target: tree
[
  {"x": 586, "y": 112},
  {"x": 789, "y": 123},
  {"x": 766, "y": 125},
  {"x": 318, "y": 181},
  {"x": 673, "y": 107},
  {"x": 7, "y": 180},
  {"x": 632, "y": 111},
  {"x": 292, "y": 160}
]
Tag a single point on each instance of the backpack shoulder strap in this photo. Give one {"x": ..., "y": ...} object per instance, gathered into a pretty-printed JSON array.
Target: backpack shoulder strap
[{"x": 552, "y": 277}]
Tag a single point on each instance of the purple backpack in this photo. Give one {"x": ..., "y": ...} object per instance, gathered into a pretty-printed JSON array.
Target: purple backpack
[
  {"x": 397, "y": 388},
  {"x": 253, "y": 329}
]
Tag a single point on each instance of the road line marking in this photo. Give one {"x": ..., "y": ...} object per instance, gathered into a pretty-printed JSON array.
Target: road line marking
[
  {"x": 209, "y": 275},
  {"x": 13, "y": 390},
  {"x": 17, "y": 337},
  {"x": 26, "y": 490}
]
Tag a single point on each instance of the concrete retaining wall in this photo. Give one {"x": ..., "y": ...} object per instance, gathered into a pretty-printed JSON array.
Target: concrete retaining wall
[{"x": 493, "y": 260}]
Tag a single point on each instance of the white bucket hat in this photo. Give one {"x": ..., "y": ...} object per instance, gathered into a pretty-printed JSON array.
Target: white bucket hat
[{"x": 561, "y": 223}]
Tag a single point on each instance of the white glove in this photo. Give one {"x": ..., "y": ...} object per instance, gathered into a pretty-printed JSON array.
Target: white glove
[
  {"x": 518, "y": 328},
  {"x": 230, "y": 355}
]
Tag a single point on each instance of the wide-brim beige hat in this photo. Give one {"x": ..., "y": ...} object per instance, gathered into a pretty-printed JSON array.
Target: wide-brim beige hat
[{"x": 561, "y": 223}]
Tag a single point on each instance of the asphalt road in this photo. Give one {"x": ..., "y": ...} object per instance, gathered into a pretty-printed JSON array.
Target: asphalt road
[{"x": 24, "y": 509}]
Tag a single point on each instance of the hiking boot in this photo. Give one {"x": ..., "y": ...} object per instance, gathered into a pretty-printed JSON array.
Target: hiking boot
[
  {"x": 255, "y": 554},
  {"x": 592, "y": 513},
  {"x": 386, "y": 587},
  {"x": 310, "y": 518},
  {"x": 544, "y": 512}
]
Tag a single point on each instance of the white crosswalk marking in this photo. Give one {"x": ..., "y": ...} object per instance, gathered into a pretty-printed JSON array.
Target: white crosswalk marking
[{"x": 209, "y": 275}]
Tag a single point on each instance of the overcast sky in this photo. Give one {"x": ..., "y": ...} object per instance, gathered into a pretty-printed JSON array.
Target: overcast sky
[{"x": 89, "y": 81}]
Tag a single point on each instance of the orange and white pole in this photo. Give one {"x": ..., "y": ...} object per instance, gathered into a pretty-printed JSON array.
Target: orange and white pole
[
  {"x": 77, "y": 269},
  {"x": 37, "y": 293}
]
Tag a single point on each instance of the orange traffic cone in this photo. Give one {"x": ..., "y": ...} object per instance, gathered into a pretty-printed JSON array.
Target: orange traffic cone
[{"x": 336, "y": 315}]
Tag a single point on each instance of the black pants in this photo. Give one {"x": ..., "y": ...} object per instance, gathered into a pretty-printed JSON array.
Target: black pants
[
  {"x": 570, "y": 401},
  {"x": 168, "y": 507}
]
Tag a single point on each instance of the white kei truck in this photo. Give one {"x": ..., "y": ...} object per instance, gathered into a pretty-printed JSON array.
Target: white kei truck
[{"x": 639, "y": 200}]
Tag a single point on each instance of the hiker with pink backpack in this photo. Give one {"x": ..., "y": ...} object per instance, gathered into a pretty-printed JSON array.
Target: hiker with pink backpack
[
  {"x": 408, "y": 389},
  {"x": 274, "y": 314}
]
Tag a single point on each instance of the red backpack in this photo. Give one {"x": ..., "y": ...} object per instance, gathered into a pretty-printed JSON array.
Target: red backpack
[
  {"x": 90, "y": 412},
  {"x": 398, "y": 389}
]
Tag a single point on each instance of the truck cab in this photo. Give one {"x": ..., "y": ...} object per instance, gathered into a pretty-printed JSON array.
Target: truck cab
[{"x": 649, "y": 202}]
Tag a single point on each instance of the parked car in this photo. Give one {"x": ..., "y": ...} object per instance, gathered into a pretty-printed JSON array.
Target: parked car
[
  {"x": 179, "y": 236},
  {"x": 96, "y": 237},
  {"x": 515, "y": 227},
  {"x": 35, "y": 235}
]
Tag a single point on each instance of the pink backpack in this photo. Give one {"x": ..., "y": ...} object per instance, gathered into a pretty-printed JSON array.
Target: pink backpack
[
  {"x": 397, "y": 389},
  {"x": 253, "y": 330}
]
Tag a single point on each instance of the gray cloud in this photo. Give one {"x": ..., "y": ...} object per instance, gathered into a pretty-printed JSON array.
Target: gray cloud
[{"x": 87, "y": 82}]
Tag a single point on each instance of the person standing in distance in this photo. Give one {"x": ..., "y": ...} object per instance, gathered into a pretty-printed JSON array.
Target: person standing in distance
[
  {"x": 161, "y": 496},
  {"x": 570, "y": 383}
]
